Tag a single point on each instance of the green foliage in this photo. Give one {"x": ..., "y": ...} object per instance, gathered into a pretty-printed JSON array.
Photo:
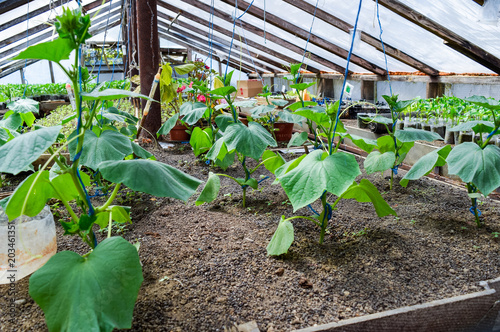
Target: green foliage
[
  {"x": 282, "y": 238},
  {"x": 210, "y": 191},
  {"x": 67, "y": 290}
]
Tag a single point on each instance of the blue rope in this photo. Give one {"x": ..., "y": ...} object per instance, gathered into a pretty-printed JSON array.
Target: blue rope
[
  {"x": 103, "y": 43},
  {"x": 313, "y": 210},
  {"x": 474, "y": 205},
  {"x": 395, "y": 169},
  {"x": 345, "y": 75},
  {"x": 232, "y": 37},
  {"x": 383, "y": 48},
  {"x": 267, "y": 177},
  {"x": 492, "y": 133}
]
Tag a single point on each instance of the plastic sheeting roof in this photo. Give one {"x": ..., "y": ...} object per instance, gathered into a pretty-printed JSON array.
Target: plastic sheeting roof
[{"x": 269, "y": 45}]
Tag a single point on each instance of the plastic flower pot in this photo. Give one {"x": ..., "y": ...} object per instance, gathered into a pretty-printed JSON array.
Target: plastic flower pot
[
  {"x": 34, "y": 242},
  {"x": 283, "y": 131},
  {"x": 179, "y": 134}
]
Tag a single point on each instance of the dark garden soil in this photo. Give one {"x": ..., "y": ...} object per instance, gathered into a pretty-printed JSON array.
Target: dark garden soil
[{"x": 205, "y": 268}]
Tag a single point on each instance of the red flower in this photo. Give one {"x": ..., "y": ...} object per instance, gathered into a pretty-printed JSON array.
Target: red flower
[
  {"x": 201, "y": 98},
  {"x": 180, "y": 89}
]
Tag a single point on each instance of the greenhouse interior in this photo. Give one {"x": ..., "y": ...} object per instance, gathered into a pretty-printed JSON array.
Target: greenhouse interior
[{"x": 216, "y": 165}]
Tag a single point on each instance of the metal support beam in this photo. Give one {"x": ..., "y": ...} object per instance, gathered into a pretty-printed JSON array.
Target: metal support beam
[
  {"x": 451, "y": 39},
  {"x": 269, "y": 36},
  {"x": 344, "y": 26},
  {"x": 304, "y": 34}
]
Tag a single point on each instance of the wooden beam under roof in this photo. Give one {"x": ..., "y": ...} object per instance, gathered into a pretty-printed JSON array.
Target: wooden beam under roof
[
  {"x": 200, "y": 49},
  {"x": 451, "y": 38},
  {"x": 93, "y": 5},
  {"x": 370, "y": 40},
  {"x": 20, "y": 64},
  {"x": 214, "y": 46},
  {"x": 479, "y": 2},
  {"x": 228, "y": 33},
  {"x": 6, "y": 5},
  {"x": 50, "y": 32},
  {"x": 269, "y": 36},
  {"x": 200, "y": 32},
  {"x": 304, "y": 34}
]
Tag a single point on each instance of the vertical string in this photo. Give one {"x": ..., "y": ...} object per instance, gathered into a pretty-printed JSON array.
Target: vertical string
[
  {"x": 103, "y": 43},
  {"x": 25, "y": 81},
  {"x": 310, "y": 31},
  {"x": 383, "y": 47},
  {"x": 345, "y": 74}
]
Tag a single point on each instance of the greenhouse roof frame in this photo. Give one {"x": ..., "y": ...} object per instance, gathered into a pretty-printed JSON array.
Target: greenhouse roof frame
[{"x": 273, "y": 41}]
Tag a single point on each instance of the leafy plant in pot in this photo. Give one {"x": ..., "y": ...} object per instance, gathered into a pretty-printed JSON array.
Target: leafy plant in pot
[
  {"x": 237, "y": 140},
  {"x": 96, "y": 291},
  {"x": 322, "y": 174},
  {"x": 269, "y": 116},
  {"x": 476, "y": 163}
]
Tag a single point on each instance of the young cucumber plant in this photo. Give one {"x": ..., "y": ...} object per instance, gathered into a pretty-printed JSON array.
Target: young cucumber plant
[
  {"x": 476, "y": 163},
  {"x": 319, "y": 175},
  {"x": 389, "y": 151},
  {"x": 96, "y": 291},
  {"x": 237, "y": 140}
]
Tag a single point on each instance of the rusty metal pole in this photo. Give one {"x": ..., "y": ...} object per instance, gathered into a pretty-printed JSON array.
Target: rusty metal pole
[{"x": 149, "y": 62}]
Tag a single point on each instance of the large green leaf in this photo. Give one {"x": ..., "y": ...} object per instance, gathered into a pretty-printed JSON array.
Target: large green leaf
[
  {"x": 272, "y": 160},
  {"x": 120, "y": 116},
  {"x": 476, "y": 165},
  {"x": 64, "y": 186},
  {"x": 111, "y": 94},
  {"x": 316, "y": 173},
  {"x": 249, "y": 141},
  {"x": 223, "y": 91},
  {"x": 262, "y": 109},
  {"x": 412, "y": 135},
  {"x": 92, "y": 293},
  {"x": 201, "y": 140},
  {"x": 301, "y": 86},
  {"x": 110, "y": 145},
  {"x": 282, "y": 239},
  {"x": 379, "y": 162},
  {"x": 168, "y": 125},
  {"x": 365, "y": 191},
  {"x": 184, "y": 69},
  {"x": 151, "y": 177},
  {"x": 244, "y": 103},
  {"x": 279, "y": 102},
  {"x": 24, "y": 106},
  {"x": 30, "y": 196},
  {"x": 297, "y": 139},
  {"x": 56, "y": 50},
  {"x": 426, "y": 164},
  {"x": 192, "y": 112},
  {"x": 295, "y": 106},
  {"x": 477, "y": 126},
  {"x": 482, "y": 101},
  {"x": 17, "y": 154},
  {"x": 290, "y": 117},
  {"x": 210, "y": 191},
  {"x": 141, "y": 152},
  {"x": 364, "y": 144},
  {"x": 223, "y": 121},
  {"x": 377, "y": 119},
  {"x": 320, "y": 118},
  {"x": 4, "y": 135},
  {"x": 12, "y": 121}
]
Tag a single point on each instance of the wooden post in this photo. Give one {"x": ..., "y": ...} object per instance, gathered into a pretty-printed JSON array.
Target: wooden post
[
  {"x": 149, "y": 61},
  {"x": 435, "y": 89},
  {"x": 368, "y": 90},
  {"x": 51, "y": 72}
]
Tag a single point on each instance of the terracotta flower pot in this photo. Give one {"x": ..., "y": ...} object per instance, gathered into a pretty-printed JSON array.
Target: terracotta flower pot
[
  {"x": 284, "y": 131},
  {"x": 179, "y": 134}
]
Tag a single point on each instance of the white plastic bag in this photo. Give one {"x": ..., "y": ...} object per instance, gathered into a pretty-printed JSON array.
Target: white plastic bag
[{"x": 25, "y": 246}]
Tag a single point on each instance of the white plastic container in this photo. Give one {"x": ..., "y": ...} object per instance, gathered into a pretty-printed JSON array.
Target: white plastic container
[{"x": 25, "y": 246}]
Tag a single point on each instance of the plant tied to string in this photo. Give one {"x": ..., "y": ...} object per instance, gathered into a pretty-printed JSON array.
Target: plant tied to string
[{"x": 96, "y": 291}]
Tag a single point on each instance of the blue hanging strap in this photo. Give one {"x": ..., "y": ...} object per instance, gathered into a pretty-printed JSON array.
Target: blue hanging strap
[
  {"x": 395, "y": 169},
  {"x": 313, "y": 210},
  {"x": 474, "y": 204},
  {"x": 263, "y": 179},
  {"x": 492, "y": 133},
  {"x": 383, "y": 48}
]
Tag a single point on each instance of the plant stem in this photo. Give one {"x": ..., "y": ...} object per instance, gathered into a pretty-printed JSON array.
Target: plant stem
[
  {"x": 110, "y": 199},
  {"x": 471, "y": 189},
  {"x": 304, "y": 217},
  {"x": 324, "y": 219},
  {"x": 110, "y": 224},
  {"x": 244, "y": 196},
  {"x": 392, "y": 179}
]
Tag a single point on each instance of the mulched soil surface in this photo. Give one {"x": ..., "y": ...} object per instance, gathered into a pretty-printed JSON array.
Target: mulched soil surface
[{"x": 205, "y": 268}]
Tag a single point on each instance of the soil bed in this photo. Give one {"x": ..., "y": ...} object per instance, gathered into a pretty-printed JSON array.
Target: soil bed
[{"x": 205, "y": 268}]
